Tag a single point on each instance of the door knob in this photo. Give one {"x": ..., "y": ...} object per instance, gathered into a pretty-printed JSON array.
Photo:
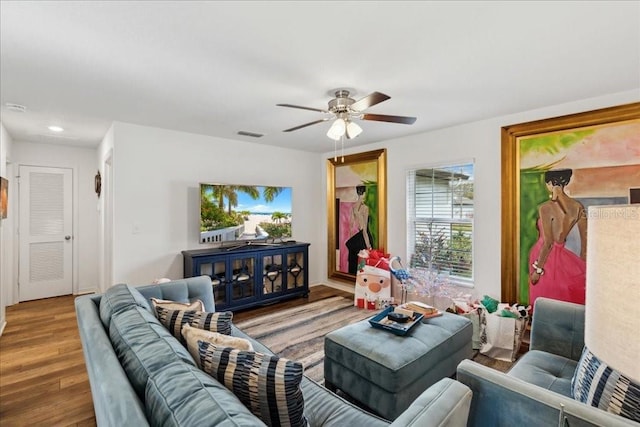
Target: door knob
[{"x": 67, "y": 237}]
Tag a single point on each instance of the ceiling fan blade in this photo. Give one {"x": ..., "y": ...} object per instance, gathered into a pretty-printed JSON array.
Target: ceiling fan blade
[
  {"x": 392, "y": 119},
  {"x": 302, "y": 108},
  {"x": 307, "y": 124},
  {"x": 369, "y": 101}
]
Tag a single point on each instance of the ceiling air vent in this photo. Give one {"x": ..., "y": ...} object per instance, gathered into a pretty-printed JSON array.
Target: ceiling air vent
[
  {"x": 252, "y": 134},
  {"x": 15, "y": 107}
]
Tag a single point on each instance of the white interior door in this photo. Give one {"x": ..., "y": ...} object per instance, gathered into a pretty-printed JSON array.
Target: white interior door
[{"x": 45, "y": 232}]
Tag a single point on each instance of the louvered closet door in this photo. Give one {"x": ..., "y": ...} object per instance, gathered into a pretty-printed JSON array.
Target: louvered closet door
[{"x": 46, "y": 242}]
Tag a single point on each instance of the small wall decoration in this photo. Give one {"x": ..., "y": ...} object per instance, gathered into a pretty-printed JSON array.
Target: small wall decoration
[
  {"x": 356, "y": 203},
  {"x": 4, "y": 197},
  {"x": 98, "y": 184},
  {"x": 552, "y": 171}
]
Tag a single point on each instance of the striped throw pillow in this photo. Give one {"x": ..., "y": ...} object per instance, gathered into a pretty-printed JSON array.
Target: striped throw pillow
[
  {"x": 268, "y": 385},
  {"x": 173, "y": 320},
  {"x": 596, "y": 384}
]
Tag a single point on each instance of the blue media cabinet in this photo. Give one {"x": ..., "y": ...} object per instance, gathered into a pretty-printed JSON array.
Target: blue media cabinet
[{"x": 251, "y": 274}]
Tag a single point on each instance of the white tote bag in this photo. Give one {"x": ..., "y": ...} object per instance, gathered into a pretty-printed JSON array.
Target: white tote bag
[{"x": 500, "y": 337}]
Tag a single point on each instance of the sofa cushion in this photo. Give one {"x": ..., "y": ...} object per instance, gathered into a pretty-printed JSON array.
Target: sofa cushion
[
  {"x": 183, "y": 290},
  {"x": 268, "y": 385},
  {"x": 174, "y": 320},
  {"x": 119, "y": 298},
  {"x": 182, "y": 395},
  {"x": 193, "y": 335},
  {"x": 325, "y": 408},
  {"x": 545, "y": 370},
  {"x": 144, "y": 346},
  {"x": 597, "y": 384}
]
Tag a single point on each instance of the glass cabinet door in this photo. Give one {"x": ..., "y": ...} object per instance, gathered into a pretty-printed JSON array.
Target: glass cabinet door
[
  {"x": 295, "y": 270},
  {"x": 217, "y": 271},
  {"x": 242, "y": 281},
  {"x": 272, "y": 276}
]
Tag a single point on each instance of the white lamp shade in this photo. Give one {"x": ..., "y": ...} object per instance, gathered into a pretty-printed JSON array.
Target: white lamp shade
[
  {"x": 337, "y": 129},
  {"x": 612, "y": 328},
  {"x": 353, "y": 130}
]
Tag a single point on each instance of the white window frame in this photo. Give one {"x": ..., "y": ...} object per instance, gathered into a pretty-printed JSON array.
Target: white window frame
[{"x": 412, "y": 220}]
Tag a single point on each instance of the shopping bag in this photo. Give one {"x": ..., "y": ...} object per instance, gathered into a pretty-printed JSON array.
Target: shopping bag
[
  {"x": 500, "y": 337},
  {"x": 373, "y": 280},
  {"x": 474, "y": 316}
]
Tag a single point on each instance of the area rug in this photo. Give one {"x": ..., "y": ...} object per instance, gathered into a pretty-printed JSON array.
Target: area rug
[
  {"x": 297, "y": 333},
  {"x": 499, "y": 365}
]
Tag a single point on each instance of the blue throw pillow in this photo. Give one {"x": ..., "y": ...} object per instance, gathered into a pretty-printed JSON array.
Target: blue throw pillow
[
  {"x": 269, "y": 386},
  {"x": 596, "y": 384}
]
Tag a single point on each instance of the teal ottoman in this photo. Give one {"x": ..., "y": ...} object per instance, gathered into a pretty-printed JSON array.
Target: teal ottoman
[{"x": 386, "y": 372}]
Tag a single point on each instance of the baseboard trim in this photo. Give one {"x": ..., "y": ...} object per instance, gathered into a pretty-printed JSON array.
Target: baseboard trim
[{"x": 341, "y": 287}]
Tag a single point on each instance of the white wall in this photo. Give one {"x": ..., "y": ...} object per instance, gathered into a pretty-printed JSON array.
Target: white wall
[
  {"x": 85, "y": 209},
  {"x": 105, "y": 207},
  {"x": 479, "y": 141},
  {"x": 156, "y": 176},
  {"x": 156, "y": 194},
  {"x": 6, "y": 226}
]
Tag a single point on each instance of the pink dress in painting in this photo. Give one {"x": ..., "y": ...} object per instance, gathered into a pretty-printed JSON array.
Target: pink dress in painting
[
  {"x": 564, "y": 274},
  {"x": 351, "y": 239}
]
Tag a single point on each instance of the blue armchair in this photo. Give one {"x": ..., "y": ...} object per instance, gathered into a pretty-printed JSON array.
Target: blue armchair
[{"x": 537, "y": 389}]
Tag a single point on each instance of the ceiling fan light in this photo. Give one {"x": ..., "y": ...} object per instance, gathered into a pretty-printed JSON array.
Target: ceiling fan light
[
  {"x": 337, "y": 129},
  {"x": 353, "y": 130}
]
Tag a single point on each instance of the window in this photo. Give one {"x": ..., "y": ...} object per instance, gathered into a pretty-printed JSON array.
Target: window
[{"x": 440, "y": 220}]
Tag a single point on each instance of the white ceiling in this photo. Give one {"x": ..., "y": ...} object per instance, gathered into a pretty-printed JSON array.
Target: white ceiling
[{"x": 216, "y": 68}]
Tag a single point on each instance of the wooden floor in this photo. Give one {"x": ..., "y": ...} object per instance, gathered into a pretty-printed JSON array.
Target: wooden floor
[{"x": 43, "y": 379}]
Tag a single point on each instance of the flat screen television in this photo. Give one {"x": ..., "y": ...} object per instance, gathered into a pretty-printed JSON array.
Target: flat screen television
[{"x": 231, "y": 213}]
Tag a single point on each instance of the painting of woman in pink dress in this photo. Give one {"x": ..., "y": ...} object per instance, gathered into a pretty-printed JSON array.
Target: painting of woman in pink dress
[{"x": 554, "y": 270}]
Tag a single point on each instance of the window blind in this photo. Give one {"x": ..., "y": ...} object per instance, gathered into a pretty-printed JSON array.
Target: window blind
[{"x": 440, "y": 219}]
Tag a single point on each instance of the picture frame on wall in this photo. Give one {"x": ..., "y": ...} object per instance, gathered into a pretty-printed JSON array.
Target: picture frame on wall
[
  {"x": 552, "y": 171},
  {"x": 4, "y": 197},
  {"x": 356, "y": 210}
]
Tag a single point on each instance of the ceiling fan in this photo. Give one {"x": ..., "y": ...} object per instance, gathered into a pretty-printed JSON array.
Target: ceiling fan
[{"x": 344, "y": 109}]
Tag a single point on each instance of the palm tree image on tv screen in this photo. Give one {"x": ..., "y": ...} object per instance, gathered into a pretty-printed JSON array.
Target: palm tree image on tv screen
[{"x": 240, "y": 212}]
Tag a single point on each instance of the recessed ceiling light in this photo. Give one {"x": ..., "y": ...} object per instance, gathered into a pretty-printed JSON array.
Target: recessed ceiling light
[{"x": 55, "y": 128}]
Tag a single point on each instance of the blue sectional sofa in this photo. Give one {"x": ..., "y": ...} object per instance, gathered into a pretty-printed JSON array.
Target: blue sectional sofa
[
  {"x": 538, "y": 387},
  {"x": 141, "y": 375}
]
